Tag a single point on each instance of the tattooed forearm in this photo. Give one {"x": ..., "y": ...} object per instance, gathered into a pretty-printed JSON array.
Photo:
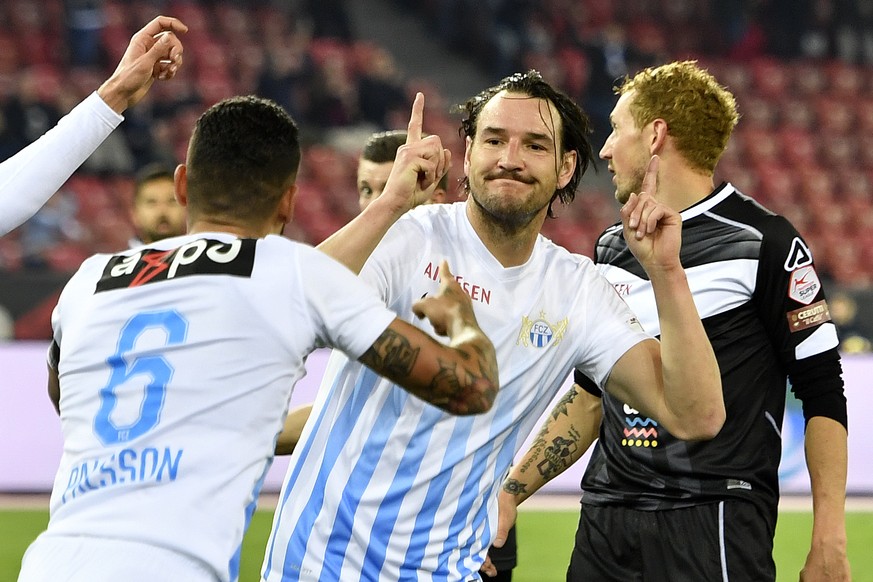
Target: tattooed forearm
[
  {"x": 515, "y": 487},
  {"x": 562, "y": 405},
  {"x": 562, "y": 453},
  {"x": 461, "y": 391},
  {"x": 391, "y": 353},
  {"x": 536, "y": 449},
  {"x": 459, "y": 386}
]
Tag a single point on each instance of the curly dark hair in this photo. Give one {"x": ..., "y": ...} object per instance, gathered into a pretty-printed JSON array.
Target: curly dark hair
[
  {"x": 243, "y": 154},
  {"x": 575, "y": 125}
]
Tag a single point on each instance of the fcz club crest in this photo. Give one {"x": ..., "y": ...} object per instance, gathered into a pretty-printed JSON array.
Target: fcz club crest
[{"x": 540, "y": 333}]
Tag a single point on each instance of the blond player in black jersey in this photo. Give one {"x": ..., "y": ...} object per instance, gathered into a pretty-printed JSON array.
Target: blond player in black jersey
[{"x": 657, "y": 508}]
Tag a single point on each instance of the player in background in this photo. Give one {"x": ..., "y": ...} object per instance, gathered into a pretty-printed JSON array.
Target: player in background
[
  {"x": 34, "y": 174},
  {"x": 173, "y": 364},
  {"x": 383, "y": 485},
  {"x": 156, "y": 214},
  {"x": 653, "y": 505},
  {"x": 375, "y": 164}
]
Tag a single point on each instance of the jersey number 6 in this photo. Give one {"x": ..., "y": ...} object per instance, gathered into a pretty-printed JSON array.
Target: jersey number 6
[{"x": 155, "y": 367}]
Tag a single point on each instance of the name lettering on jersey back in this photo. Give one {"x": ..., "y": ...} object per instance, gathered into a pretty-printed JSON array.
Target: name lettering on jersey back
[
  {"x": 476, "y": 292},
  {"x": 148, "y": 465},
  {"x": 198, "y": 257}
]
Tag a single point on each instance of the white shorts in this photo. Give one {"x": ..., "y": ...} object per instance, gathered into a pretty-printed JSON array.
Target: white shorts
[{"x": 89, "y": 559}]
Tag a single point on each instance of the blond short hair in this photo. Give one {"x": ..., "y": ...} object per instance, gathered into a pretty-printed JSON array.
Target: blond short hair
[{"x": 700, "y": 113}]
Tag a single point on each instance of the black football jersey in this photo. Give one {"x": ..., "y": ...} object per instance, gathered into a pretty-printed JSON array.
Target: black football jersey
[{"x": 755, "y": 286}]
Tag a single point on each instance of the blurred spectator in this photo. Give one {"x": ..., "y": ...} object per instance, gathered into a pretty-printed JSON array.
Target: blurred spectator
[
  {"x": 288, "y": 72},
  {"x": 330, "y": 19},
  {"x": 30, "y": 112},
  {"x": 611, "y": 57},
  {"x": 817, "y": 32},
  {"x": 55, "y": 224},
  {"x": 84, "y": 28},
  {"x": 334, "y": 95},
  {"x": 380, "y": 88}
]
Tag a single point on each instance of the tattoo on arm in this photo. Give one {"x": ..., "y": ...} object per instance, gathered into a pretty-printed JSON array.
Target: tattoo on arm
[
  {"x": 514, "y": 487},
  {"x": 391, "y": 353},
  {"x": 559, "y": 455},
  {"x": 536, "y": 449},
  {"x": 454, "y": 388},
  {"x": 562, "y": 405}
]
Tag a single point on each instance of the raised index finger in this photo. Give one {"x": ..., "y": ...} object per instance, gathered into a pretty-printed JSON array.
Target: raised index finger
[
  {"x": 650, "y": 180},
  {"x": 413, "y": 130}
]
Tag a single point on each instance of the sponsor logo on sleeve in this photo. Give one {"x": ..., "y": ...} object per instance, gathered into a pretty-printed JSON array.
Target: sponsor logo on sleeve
[
  {"x": 809, "y": 316},
  {"x": 804, "y": 285},
  {"x": 799, "y": 255}
]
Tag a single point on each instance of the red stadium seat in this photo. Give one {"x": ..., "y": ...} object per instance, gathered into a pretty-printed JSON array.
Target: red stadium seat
[
  {"x": 844, "y": 79},
  {"x": 771, "y": 77},
  {"x": 839, "y": 151},
  {"x": 759, "y": 112},
  {"x": 864, "y": 114},
  {"x": 835, "y": 115},
  {"x": 777, "y": 183},
  {"x": 760, "y": 145},
  {"x": 797, "y": 113},
  {"x": 809, "y": 78},
  {"x": 798, "y": 146}
]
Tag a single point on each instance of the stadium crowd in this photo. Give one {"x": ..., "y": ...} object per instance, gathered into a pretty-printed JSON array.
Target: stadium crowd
[{"x": 804, "y": 146}]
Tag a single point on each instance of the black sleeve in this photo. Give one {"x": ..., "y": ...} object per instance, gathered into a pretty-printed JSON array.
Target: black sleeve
[
  {"x": 791, "y": 301},
  {"x": 587, "y": 384},
  {"x": 818, "y": 384}
]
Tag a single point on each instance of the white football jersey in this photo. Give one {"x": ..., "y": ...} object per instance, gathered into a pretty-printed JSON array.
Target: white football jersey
[
  {"x": 177, "y": 363},
  {"x": 384, "y": 486},
  {"x": 34, "y": 174}
]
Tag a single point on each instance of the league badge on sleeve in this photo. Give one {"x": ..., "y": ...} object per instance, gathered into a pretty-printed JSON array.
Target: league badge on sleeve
[{"x": 804, "y": 285}]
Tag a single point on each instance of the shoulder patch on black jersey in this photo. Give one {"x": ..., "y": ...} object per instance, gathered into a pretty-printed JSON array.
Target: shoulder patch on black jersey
[
  {"x": 198, "y": 257},
  {"x": 798, "y": 256},
  {"x": 805, "y": 317},
  {"x": 804, "y": 285}
]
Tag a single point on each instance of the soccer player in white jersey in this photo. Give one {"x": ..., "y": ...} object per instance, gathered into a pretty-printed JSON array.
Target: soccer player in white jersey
[
  {"x": 382, "y": 485},
  {"x": 172, "y": 364},
  {"x": 34, "y": 174}
]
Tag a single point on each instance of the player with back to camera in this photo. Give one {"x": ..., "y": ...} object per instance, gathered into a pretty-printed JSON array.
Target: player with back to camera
[
  {"x": 384, "y": 486},
  {"x": 173, "y": 364},
  {"x": 34, "y": 174},
  {"x": 657, "y": 507}
]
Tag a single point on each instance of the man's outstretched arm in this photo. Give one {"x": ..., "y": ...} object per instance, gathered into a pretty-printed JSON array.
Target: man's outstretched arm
[{"x": 30, "y": 177}]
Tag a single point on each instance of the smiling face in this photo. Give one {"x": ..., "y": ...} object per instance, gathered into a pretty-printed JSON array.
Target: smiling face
[
  {"x": 513, "y": 162},
  {"x": 626, "y": 150}
]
